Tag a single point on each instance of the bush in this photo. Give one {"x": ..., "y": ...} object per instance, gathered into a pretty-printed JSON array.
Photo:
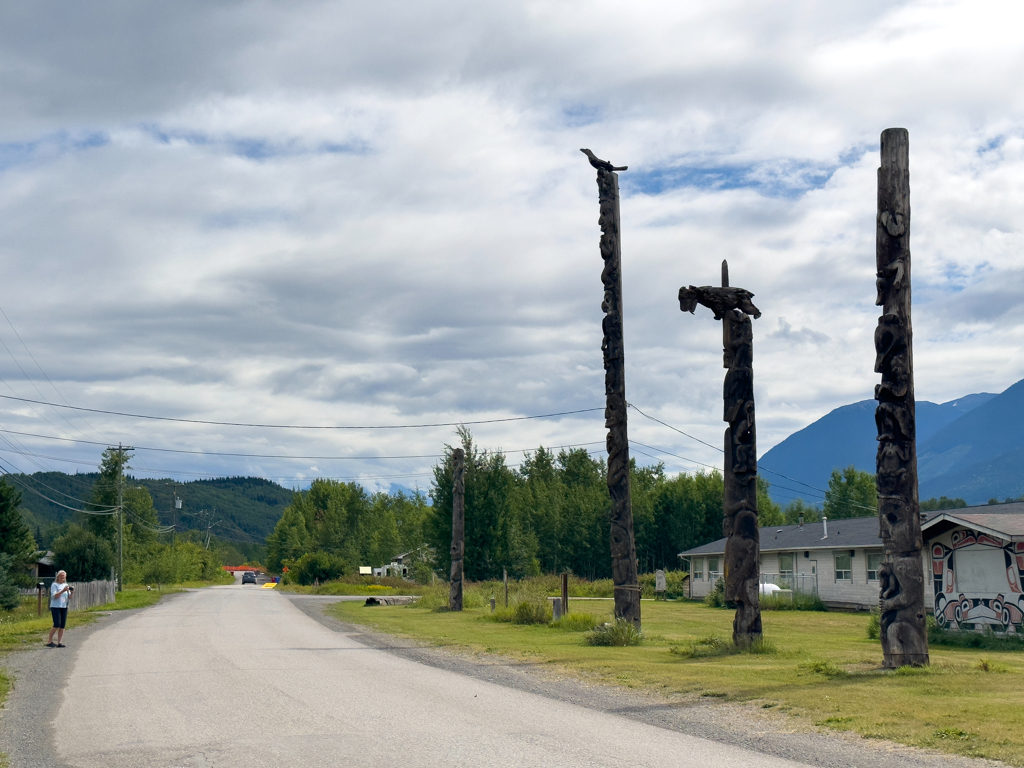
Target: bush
[
  {"x": 83, "y": 554},
  {"x": 874, "y": 624},
  {"x": 621, "y": 633},
  {"x": 317, "y": 566},
  {"x": 10, "y": 598},
  {"x": 531, "y": 613},
  {"x": 675, "y": 582},
  {"x": 801, "y": 601},
  {"x": 987, "y": 640},
  {"x": 716, "y": 597}
]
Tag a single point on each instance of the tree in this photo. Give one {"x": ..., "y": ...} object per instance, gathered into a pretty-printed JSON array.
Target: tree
[
  {"x": 290, "y": 538},
  {"x": 10, "y": 597},
  {"x": 84, "y": 555},
  {"x": 793, "y": 511},
  {"x": 943, "y": 502},
  {"x": 105, "y": 494},
  {"x": 768, "y": 512},
  {"x": 851, "y": 493},
  {"x": 15, "y": 537}
]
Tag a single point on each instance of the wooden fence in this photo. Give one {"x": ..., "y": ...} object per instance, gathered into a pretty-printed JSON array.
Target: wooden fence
[{"x": 87, "y": 594}]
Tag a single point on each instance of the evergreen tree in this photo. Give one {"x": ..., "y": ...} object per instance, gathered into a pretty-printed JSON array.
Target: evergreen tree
[
  {"x": 15, "y": 536},
  {"x": 105, "y": 494}
]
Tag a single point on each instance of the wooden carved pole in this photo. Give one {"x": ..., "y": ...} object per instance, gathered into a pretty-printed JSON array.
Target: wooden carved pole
[
  {"x": 624, "y": 566},
  {"x": 904, "y": 633},
  {"x": 733, "y": 307},
  {"x": 458, "y": 527}
]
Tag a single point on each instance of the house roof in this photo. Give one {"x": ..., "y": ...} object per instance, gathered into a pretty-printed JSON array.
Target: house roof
[
  {"x": 1004, "y": 521},
  {"x": 842, "y": 534}
]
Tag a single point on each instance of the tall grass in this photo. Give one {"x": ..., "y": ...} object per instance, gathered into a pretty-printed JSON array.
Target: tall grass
[
  {"x": 712, "y": 645},
  {"x": 619, "y": 633}
]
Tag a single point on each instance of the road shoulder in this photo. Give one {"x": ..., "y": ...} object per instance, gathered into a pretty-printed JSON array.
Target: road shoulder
[{"x": 40, "y": 676}]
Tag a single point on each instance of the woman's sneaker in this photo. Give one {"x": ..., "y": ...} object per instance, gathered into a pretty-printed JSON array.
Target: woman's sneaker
[
  {"x": 61, "y": 645},
  {"x": 51, "y": 645}
]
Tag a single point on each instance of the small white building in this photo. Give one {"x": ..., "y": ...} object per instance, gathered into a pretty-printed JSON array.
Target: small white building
[{"x": 400, "y": 565}]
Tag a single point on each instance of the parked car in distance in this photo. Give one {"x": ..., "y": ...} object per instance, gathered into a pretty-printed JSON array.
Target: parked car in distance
[{"x": 249, "y": 577}]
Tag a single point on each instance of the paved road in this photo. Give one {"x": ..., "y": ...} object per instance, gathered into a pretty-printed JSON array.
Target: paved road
[{"x": 238, "y": 676}]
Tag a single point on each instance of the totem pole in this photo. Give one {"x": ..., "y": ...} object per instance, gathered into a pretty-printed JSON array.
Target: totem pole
[
  {"x": 904, "y": 633},
  {"x": 624, "y": 567},
  {"x": 458, "y": 527},
  {"x": 733, "y": 307}
]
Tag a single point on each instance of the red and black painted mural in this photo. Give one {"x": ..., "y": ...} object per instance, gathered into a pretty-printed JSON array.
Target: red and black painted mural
[{"x": 979, "y": 582}]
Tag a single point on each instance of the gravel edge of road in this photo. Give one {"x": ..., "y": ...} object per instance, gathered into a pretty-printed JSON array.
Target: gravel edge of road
[
  {"x": 40, "y": 676},
  {"x": 763, "y": 731}
]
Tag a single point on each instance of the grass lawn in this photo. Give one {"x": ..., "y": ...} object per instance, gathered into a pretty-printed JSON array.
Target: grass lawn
[{"x": 824, "y": 672}]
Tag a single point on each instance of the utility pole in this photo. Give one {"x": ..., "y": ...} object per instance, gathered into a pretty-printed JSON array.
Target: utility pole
[{"x": 120, "y": 516}]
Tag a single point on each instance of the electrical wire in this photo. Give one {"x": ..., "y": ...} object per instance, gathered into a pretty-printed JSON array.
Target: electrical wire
[{"x": 301, "y": 426}]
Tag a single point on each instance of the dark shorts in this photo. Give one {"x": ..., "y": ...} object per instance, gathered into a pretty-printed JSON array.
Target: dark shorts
[{"x": 60, "y": 617}]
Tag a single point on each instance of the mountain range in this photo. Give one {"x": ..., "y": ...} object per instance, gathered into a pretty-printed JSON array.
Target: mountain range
[{"x": 970, "y": 448}]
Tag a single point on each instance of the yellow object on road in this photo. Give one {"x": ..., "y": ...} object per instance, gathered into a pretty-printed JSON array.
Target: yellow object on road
[{"x": 269, "y": 585}]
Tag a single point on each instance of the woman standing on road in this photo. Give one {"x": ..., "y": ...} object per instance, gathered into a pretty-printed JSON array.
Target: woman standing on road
[{"x": 59, "y": 594}]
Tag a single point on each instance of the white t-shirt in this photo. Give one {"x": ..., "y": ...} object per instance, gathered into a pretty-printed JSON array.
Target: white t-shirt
[{"x": 58, "y": 602}]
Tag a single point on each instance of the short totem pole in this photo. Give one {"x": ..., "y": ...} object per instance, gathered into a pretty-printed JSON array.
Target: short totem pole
[
  {"x": 458, "y": 527},
  {"x": 733, "y": 307},
  {"x": 624, "y": 566},
  {"x": 903, "y": 631}
]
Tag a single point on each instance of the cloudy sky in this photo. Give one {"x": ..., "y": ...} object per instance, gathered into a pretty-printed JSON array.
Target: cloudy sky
[{"x": 356, "y": 213}]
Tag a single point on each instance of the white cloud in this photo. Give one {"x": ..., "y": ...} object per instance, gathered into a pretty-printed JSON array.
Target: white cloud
[{"x": 344, "y": 213}]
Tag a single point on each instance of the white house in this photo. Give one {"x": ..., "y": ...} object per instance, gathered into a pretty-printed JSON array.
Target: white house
[
  {"x": 836, "y": 559},
  {"x": 973, "y": 559}
]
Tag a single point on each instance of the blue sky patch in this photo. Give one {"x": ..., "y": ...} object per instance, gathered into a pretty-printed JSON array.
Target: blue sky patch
[
  {"x": 50, "y": 146},
  {"x": 773, "y": 178},
  {"x": 255, "y": 148}
]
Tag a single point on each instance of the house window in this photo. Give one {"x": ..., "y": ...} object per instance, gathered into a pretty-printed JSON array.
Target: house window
[
  {"x": 874, "y": 563},
  {"x": 713, "y": 567},
  {"x": 698, "y": 569},
  {"x": 844, "y": 567}
]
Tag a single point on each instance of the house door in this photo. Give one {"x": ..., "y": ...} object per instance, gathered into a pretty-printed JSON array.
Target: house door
[{"x": 809, "y": 572}]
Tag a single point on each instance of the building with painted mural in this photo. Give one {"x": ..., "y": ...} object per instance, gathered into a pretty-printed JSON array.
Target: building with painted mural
[
  {"x": 973, "y": 558},
  {"x": 976, "y": 567}
]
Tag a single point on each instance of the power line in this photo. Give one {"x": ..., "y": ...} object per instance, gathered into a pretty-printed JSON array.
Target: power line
[{"x": 300, "y": 426}]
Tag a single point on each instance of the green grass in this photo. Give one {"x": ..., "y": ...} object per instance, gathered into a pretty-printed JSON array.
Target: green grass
[{"x": 819, "y": 668}]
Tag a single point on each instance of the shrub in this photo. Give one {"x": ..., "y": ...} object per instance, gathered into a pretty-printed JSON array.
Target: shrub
[
  {"x": 675, "y": 582},
  {"x": 83, "y": 554},
  {"x": 531, "y": 613},
  {"x": 576, "y": 622},
  {"x": 986, "y": 641},
  {"x": 874, "y": 624},
  {"x": 716, "y": 597},
  {"x": 801, "y": 601},
  {"x": 10, "y": 598},
  {"x": 320, "y": 565},
  {"x": 621, "y": 633}
]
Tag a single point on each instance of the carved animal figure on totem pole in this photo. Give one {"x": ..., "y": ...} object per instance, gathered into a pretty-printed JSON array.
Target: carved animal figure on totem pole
[
  {"x": 458, "y": 528},
  {"x": 733, "y": 306},
  {"x": 903, "y": 631},
  {"x": 623, "y": 544}
]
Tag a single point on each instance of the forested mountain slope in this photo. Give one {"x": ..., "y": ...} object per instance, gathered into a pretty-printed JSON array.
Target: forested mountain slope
[{"x": 249, "y": 507}]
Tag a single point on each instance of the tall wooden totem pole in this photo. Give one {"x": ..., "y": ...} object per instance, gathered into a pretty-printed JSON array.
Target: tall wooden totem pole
[
  {"x": 624, "y": 567},
  {"x": 458, "y": 528},
  {"x": 903, "y": 633},
  {"x": 733, "y": 307}
]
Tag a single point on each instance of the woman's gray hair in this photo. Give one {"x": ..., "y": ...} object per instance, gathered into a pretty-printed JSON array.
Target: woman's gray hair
[{"x": 60, "y": 572}]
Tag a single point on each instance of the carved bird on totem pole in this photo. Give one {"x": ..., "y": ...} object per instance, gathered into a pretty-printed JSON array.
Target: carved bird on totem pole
[
  {"x": 718, "y": 300},
  {"x": 602, "y": 164}
]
